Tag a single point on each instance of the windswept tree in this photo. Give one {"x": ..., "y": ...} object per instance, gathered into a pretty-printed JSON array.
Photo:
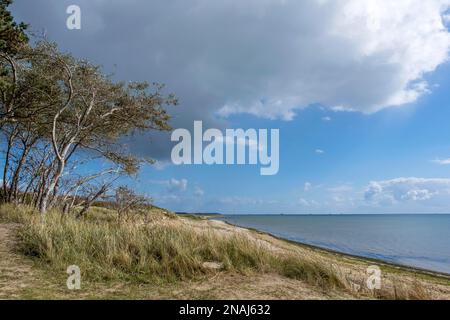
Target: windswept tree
[
  {"x": 90, "y": 112},
  {"x": 72, "y": 110},
  {"x": 12, "y": 34},
  {"x": 13, "y": 40},
  {"x": 57, "y": 112},
  {"x": 128, "y": 202}
]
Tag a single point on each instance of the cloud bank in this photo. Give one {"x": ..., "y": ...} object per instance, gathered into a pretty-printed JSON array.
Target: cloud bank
[
  {"x": 267, "y": 58},
  {"x": 403, "y": 190},
  {"x": 271, "y": 57}
]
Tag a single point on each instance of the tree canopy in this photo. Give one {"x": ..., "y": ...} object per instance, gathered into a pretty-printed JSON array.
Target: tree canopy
[
  {"x": 12, "y": 34},
  {"x": 58, "y": 111}
]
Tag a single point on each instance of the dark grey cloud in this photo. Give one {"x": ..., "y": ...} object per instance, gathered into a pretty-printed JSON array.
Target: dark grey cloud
[{"x": 268, "y": 58}]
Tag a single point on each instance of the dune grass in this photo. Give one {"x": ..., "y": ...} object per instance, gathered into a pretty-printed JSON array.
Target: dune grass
[
  {"x": 157, "y": 249},
  {"x": 162, "y": 248}
]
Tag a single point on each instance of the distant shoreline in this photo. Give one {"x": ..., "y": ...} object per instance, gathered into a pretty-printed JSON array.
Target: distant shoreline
[
  {"x": 206, "y": 214},
  {"x": 381, "y": 262},
  {"x": 321, "y": 214}
]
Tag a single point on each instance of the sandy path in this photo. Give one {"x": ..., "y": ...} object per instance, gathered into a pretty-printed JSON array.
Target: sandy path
[{"x": 16, "y": 273}]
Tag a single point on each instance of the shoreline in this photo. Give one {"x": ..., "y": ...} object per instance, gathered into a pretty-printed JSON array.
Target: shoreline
[{"x": 397, "y": 266}]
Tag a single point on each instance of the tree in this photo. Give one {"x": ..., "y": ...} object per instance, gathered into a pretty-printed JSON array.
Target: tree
[
  {"x": 12, "y": 35},
  {"x": 12, "y": 40},
  {"x": 93, "y": 113},
  {"x": 128, "y": 202},
  {"x": 57, "y": 111},
  {"x": 71, "y": 109}
]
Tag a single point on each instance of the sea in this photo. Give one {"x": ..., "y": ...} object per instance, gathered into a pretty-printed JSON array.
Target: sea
[{"x": 420, "y": 241}]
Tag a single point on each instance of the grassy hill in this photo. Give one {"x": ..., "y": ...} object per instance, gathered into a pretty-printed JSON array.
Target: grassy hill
[{"x": 161, "y": 255}]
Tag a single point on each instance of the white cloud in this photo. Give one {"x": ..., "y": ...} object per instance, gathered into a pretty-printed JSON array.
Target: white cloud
[
  {"x": 160, "y": 165},
  {"x": 175, "y": 185},
  {"x": 339, "y": 199},
  {"x": 442, "y": 161},
  {"x": 399, "y": 190},
  {"x": 348, "y": 55},
  {"x": 307, "y": 203},
  {"x": 319, "y": 151},
  {"x": 344, "y": 188},
  {"x": 303, "y": 202},
  {"x": 252, "y": 144},
  {"x": 199, "y": 192},
  {"x": 307, "y": 187},
  {"x": 172, "y": 185},
  {"x": 326, "y": 119},
  {"x": 418, "y": 195}
]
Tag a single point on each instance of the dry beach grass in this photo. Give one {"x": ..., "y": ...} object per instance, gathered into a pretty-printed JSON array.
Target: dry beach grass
[{"x": 161, "y": 255}]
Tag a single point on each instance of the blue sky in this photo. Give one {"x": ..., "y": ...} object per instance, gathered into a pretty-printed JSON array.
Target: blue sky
[
  {"x": 358, "y": 149},
  {"x": 366, "y": 83}
]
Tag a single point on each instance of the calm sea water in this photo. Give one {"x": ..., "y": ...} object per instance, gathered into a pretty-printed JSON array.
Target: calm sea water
[{"x": 421, "y": 241}]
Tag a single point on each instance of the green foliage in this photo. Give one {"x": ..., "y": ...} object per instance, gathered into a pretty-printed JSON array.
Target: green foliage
[
  {"x": 55, "y": 108},
  {"x": 128, "y": 202},
  {"x": 12, "y": 35}
]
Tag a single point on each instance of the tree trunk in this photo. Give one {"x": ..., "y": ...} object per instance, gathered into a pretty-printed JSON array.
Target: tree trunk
[
  {"x": 66, "y": 208},
  {"x": 43, "y": 206},
  {"x": 89, "y": 202},
  {"x": 6, "y": 167},
  {"x": 13, "y": 192}
]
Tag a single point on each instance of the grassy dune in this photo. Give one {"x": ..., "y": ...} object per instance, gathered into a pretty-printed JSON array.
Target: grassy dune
[
  {"x": 159, "y": 249},
  {"x": 164, "y": 249}
]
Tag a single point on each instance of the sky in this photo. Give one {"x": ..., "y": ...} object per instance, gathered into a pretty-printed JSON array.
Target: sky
[{"x": 359, "y": 91}]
